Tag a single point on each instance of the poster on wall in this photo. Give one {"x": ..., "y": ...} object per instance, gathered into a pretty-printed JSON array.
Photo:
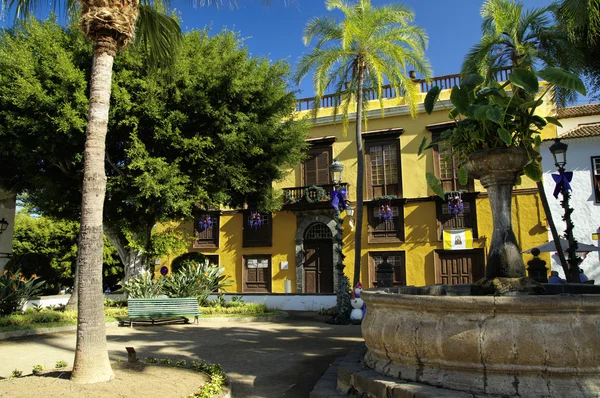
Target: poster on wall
[{"x": 458, "y": 239}]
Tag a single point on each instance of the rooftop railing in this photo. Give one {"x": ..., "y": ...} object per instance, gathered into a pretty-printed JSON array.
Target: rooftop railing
[{"x": 370, "y": 94}]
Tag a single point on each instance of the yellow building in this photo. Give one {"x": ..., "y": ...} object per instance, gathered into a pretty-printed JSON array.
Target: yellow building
[{"x": 297, "y": 244}]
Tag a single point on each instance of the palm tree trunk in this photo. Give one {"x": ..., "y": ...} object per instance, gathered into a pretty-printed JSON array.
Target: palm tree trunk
[
  {"x": 73, "y": 302},
  {"x": 360, "y": 177},
  {"x": 91, "y": 355}
]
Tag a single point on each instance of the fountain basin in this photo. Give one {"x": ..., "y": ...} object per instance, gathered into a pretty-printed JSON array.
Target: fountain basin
[{"x": 534, "y": 346}]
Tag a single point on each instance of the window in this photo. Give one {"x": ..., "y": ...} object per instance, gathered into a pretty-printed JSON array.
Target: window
[
  {"x": 467, "y": 219},
  {"x": 446, "y": 167},
  {"x": 383, "y": 168},
  {"x": 382, "y": 229},
  {"x": 254, "y": 234},
  {"x": 206, "y": 230},
  {"x": 596, "y": 176},
  {"x": 316, "y": 167},
  {"x": 397, "y": 259},
  {"x": 257, "y": 273},
  {"x": 212, "y": 259}
]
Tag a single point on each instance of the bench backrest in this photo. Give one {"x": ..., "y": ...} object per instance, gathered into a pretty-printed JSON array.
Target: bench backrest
[{"x": 162, "y": 306}]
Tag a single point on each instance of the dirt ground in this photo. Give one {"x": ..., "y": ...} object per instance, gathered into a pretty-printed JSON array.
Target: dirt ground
[{"x": 130, "y": 381}]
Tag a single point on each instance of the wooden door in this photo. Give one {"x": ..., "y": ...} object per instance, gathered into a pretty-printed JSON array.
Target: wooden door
[
  {"x": 455, "y": 267},
  {"x": 318, "y": 266}
]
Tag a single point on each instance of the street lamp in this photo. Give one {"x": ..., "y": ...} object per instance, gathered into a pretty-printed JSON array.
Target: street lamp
[
  {"x": 3, "y": 225},
  {"x": 336, "y": 169},
  {"x": 562, "y": 180},
  {"x": 559, "y": 153}
]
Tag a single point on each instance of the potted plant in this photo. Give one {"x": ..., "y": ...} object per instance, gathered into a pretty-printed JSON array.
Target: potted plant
[{"x": 495, "y": 139}]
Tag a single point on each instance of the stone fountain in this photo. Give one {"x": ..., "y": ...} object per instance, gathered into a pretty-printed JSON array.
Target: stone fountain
[{"x": 502, "y": 336}]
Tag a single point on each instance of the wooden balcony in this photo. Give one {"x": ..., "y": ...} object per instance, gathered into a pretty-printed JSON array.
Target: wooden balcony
[
  {"x": 304, "y": 197},
  {"x": 444, "y": 82}
]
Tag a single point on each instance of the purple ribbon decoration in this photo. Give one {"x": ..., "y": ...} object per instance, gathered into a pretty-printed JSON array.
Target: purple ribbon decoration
[
  {"x": 337, "y": 198},
  {"x": 255, "y": 221},
  {"x": 385, "y": 212},
  {"x": 562, "y": 181},
  {"x": 203, "y": 225}
]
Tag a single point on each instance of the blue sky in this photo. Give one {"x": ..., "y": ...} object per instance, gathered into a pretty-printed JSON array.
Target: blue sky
[{"x": 275, "y": 31}]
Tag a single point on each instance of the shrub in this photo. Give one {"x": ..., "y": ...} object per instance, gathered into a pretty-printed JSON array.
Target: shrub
[
  {"x": 165, "y": 361},
  {"x": 151, "y": 360},
  {"x": 144, "y": 286},
  {"x": 15, "y": 289},
  {"x": 110, "y": 303},
  {"x": 192, "y": 258},
  {"x": 61, "y": 364},
  {"x": 16, "y": 373},
  {"x": 37, "y": 369},
  {"x": 195, "y": 280}
]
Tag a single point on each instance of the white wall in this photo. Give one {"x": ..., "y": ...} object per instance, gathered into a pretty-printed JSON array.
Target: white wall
[
  {"x": 7, "y": 211},
  {"x": 586, "y": 214},
  {"x": 287, "y": 302},
  {"x": 573, "y": 122}
]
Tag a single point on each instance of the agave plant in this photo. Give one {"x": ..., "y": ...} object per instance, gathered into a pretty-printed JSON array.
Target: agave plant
[
  {"x": 15, "y": 289},
  {"x": 144, "y": 286},
  {"x": 196, "y": 280},
  {"x": 493, "y": 115}
]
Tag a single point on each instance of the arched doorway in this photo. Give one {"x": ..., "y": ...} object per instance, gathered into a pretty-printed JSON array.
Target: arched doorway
[{"x": 318, "y": 259}]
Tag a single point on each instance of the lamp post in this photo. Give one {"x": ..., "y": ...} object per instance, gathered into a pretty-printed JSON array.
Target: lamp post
[
  {"x": 336, "y": 169},
  {"x": 562, "y": 179},
  {"x": 3, "y": 225}
]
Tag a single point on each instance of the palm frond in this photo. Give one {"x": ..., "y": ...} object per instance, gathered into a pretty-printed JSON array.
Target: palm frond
[{"x": 159, "y": 34}]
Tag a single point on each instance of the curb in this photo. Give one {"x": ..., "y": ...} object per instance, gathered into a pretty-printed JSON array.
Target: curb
[{"x": 36, "y": 331}]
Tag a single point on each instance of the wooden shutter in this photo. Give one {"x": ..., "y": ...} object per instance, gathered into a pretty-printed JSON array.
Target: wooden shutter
[
  {"x": 459, "y": 267},
  {"x": 383, "y": 169},
  {"x": 257, "y": 277},
  {"x": 316, "y": 168},
  {"x": 396, "y": 258}
]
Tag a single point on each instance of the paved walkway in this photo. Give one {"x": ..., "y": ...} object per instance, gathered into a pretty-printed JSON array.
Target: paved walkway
[{"x": 262, "y": 359}]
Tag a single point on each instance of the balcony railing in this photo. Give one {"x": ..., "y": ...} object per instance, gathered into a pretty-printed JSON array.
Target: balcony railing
[
  {"x": 309, "y": 195},
  {"x": 370, "y": 94}
]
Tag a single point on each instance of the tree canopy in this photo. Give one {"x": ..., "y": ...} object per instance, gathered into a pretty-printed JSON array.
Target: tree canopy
[
  {"x": 216, "y": 132},
  {"x": 47, "y": 247}
]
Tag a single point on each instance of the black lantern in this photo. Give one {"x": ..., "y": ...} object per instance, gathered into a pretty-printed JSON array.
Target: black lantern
[
  {"x": 559, "y": 152},
  {"x": 336, "y": 169},
  {"x": 3, "y": 225}
]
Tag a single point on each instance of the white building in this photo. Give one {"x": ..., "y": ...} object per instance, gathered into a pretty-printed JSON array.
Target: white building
[
  {"x": 581, "y": 132},
  {"x": 7, "y": 213}
]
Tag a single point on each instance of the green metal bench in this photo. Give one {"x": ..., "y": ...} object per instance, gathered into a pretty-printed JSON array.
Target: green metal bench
[{"x": 158, "y": 310}]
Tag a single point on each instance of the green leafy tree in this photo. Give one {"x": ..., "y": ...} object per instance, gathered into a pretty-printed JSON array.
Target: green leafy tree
[
  {"x": 515, "y": 37},
  {"x": 369, "y": 45},
  {"x": 47, "y": 247},
  {"x": 211, "y": 132}
]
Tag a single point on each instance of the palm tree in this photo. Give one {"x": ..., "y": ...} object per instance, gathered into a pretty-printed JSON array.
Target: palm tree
[
  {"x": 370, "y": 44},
  {"x": 518, "y": 38},
  {"x": 580, "y": 20},
  {"x": 110, "y": 25}
]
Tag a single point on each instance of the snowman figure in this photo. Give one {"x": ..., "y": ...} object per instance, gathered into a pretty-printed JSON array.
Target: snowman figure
[{"x": 358, "y": 305}]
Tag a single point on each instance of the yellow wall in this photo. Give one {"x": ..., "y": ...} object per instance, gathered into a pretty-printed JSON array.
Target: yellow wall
[
  {"x": 420, "y": 216},
  {"x": 231, "y": 248}
]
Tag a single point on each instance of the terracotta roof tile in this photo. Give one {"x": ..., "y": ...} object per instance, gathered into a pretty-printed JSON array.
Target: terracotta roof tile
[
  {"x": 582, "y": 131},
  {"x": 578, "y": 111}
]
